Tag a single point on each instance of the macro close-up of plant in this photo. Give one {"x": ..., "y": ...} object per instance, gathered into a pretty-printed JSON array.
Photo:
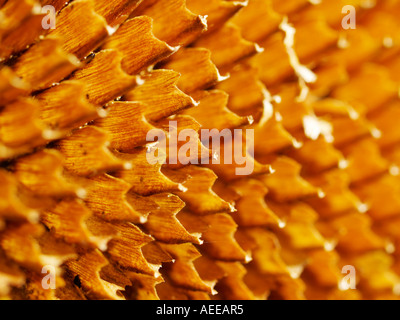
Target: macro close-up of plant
[{"x": 199, "y": 150}]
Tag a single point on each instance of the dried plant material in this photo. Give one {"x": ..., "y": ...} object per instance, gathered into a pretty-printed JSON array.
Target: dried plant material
[
  {"x": 83, "y": 149},
  {"x": 197, "y": 190},
  {"x": 13, "y": 13},
  {"x": 118, "y": 207},
  {"x": 127, "y": 116},
  {"x": 87, "y": 269},
  {"x": 322, "y": 268},
  {"x": 11, "y": 86},
  {"x": 385, "y": 279},
  {"x": 19, "y": 38},
  {"x": 288, "y": 6},
  {"x": 316, "y": 155},
  {"x": 182, "y": 272},
  {"x": 19, "y": 244},
  {"x": 11, "y": 206},
  {"x": 117, "y": 11},
  {"x": 257, "y": 10},
  {"x": 69, "y": 28},
  {"x": 324, "y": 37},
  {"x": 247, "y": 94},
  {"x": 252, "y": 210},
  {"x": 173, "y": 231},
  {"x": 57, "y": 4},
  {"x": 232, "y": 286},
  {"x": 227, "y": 46},
  {"x": 67, "y": 221},
  {"x": 187, "y": 27},
  {"x": 286, "y": 184},
  {"x": 42, "y": 173},
  {"x": 187, "y": 61},
  {"x": 140, "y": 49},
  {"x": 40, "y": 73},
  {"x": 335, "y": 197},
  {"x": 65, "y": 107},
  {"x": 237, "y": 148},
  {"x": 20, "y": 124},
  {"x": 385, "y": 123},
  {"x": 10, "y": 275},
  {"x": 300, "y": 224},
  {"x": 328, "y": 77},
  {"x": 382, "y": 93},
  {"x": 193, "y": 152},
  {"x": 109, "y": 176},
  {"x": 218, "y": 116},
  {"x": 364, "y": 161},
  {"x": 381, "y": 198},
  {"x": 217, "y": 11},
  {"x": 168, "y": 99},
  {"x": 355, "y": 239},
  {"x": 354, "y": 49},
  {"x": 125, "y": 250},
  {"x": 105, "y": 68},
  {"x": 138, "y": 177},
  {"x": 360, "y": 128},
  {"x": 216, "y": 229},
  {"x": 143, "y": 287},
  {"x": 274, "y": 129},
  {"x": 265, "y": 251},
  {"x": 273, "y": 64},
  {"x": 167, "y": 291}
]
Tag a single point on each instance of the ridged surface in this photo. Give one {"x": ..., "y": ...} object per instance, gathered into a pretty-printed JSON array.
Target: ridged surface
[{"x": 77, "y": 192}]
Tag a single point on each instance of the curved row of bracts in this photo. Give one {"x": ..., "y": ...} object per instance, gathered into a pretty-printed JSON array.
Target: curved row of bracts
[{"x": 76, "y": 189}]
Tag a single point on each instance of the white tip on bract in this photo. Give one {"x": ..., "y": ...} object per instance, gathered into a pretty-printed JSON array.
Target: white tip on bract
[
  {"x": 139, "y": 81},
  {"x": 330, "y": 245},
  {"x": 304, "y": 74},
  {"x": 128, "y": 165},
  {"x": 182, "y": 188},
  {"x": 241, "y": 3},
  {"x": 102, "y": 113},
  {"x": 343, "y": 43},
  {"x": 248, "y": 258},
  {"x": 368, "y": 4},
  {"x": 111, "y": 30},
  {"x": 295, "y": 271},
  {"x": 49, "y": 134},
  {"x": 376, "y": 133},
  {"x": 221, "y": 78},
  {"x": 204, "y": 20},
  {"x": 143, "y": 219},
  {"x": 281, "y": 224},
  {"x": 388, "y": 42},
  {"x": 297, "y": 144},
  {"x": 314, "y": 127},
  {"x": 394, "y": 170},
  {"x": 250, "y": 119},
  {"x": 33, "y": 216},
  {"x": 258, "y": 48},
  {"x": 343, "y": 164},
  {"x": 390, "y": 248},
  {"x": 81, "y": 193},
  {"x": 362, "y": 207},
  {"x": 268, "y": 109},
  {"x": 271, "y": 170},
  {"x": 194, "y": 102}
]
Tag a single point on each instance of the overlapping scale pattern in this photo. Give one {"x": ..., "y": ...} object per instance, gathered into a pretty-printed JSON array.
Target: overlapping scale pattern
[{"x": 76, "y": 189}]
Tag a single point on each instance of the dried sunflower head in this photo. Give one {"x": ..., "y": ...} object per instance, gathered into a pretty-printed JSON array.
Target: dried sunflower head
[{"x": 197, "y": 149}]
